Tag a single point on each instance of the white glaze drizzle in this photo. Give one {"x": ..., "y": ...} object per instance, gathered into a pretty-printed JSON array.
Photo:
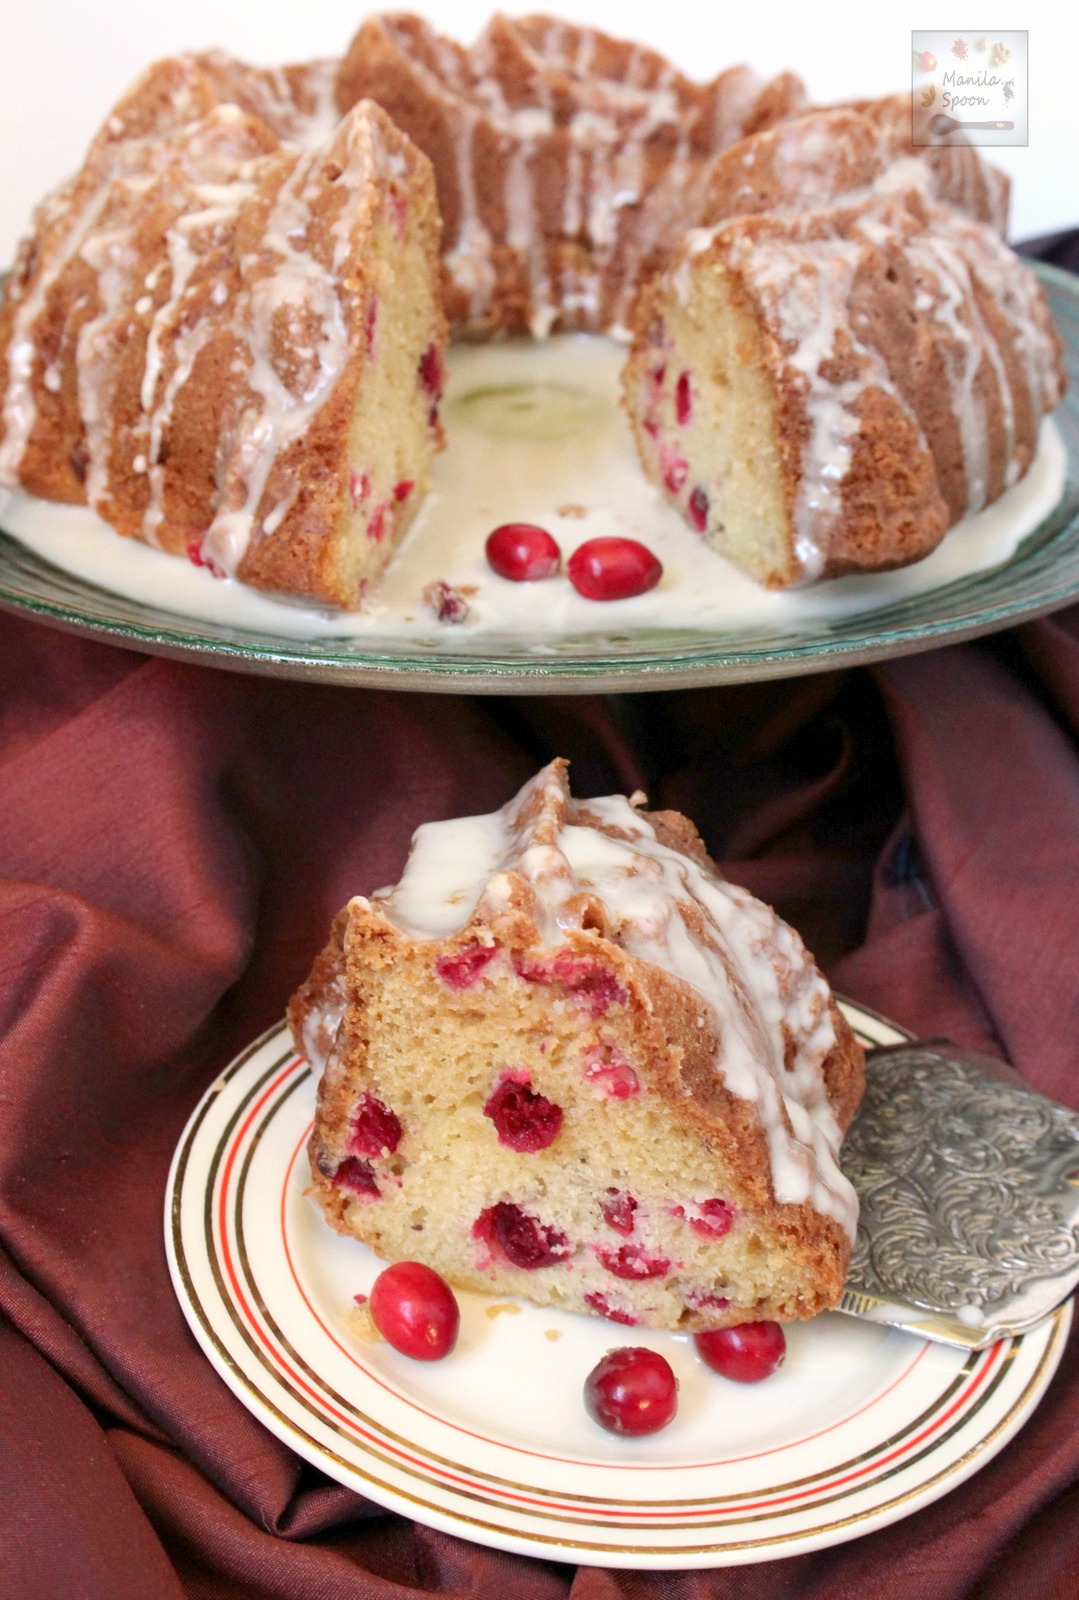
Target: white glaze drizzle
[
  {"x": 806, "y": 292},
  {"x": 748, "y": 968},
  {"x": 20, "y": 407},
  {"x": 182, "y": 340},
  {"x": 297, "y": 284}
]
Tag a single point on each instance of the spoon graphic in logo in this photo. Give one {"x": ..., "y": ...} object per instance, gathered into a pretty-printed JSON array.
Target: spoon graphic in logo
[{"x": 942, "y": 125}]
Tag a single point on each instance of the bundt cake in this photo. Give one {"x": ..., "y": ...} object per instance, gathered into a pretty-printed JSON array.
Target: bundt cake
[
  {"x": 230, "y": 345},
  {"x": 564, "y": 1059},
  {"x": 828, "y": 391},
  {"x": 226, "y": 333}
]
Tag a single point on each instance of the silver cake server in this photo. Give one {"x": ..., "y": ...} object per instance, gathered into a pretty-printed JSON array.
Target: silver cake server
[{"x": 969, "y": 1190}]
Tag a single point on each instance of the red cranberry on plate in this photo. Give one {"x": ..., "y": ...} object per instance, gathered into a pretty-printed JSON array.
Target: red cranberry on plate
[
  {"x": 415, "y": 1311},
  {"x": 613, "y": 569},
  {"x": 747, "y": 1353},
  {"x": 523, "y": 552},
  {"x": 632, "y": 1391}
]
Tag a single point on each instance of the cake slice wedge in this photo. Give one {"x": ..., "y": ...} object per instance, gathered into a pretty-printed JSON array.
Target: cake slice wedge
[
  {"x": 828, "y": 391},
  {"x": 563, "y": 1059},
  {"x": 229, "y": 344}
]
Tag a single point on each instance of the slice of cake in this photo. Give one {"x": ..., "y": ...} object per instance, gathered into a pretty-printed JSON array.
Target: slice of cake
[
  {"x": 228, "y": 344},
  {"x": 828, "y": 391},
  {"x": 564, "y": 1059}
]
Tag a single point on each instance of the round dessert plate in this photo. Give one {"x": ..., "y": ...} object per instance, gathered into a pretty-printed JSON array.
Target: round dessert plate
[
  {"x": 720, "y": 628},
  {"x": 861, "y": 1426}
]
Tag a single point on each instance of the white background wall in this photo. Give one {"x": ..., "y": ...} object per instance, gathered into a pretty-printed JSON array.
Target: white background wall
[{"x": 63, "y": 62}]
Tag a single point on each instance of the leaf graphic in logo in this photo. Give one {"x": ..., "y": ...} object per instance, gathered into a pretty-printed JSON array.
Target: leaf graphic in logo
[{"x": 928, "y": 96}]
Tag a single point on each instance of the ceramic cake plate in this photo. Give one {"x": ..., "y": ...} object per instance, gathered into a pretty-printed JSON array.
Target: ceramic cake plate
[
  {"x": 764, "y": 641},
  {"x": 863, "y": 1424}
]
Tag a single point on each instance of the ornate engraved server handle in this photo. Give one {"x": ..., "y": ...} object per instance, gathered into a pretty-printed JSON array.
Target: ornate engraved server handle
[{"x": 969, "y": 1226}]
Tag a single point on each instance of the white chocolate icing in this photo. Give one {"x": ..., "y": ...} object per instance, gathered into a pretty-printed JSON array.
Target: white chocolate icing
[{"x": 749, "y": 968}]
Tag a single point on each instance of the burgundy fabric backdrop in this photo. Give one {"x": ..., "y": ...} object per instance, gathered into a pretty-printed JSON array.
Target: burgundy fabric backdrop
[{"x": 173, "y": 843}]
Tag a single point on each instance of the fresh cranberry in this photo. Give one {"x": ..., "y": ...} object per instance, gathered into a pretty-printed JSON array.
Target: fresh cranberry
[
  {"x": 198, "y": 559},
  {"x": 431, "y": 374},
  {"x": 463, "y": 968},
  {"x": 632, "y": 1261},
  {"x": 618, "y": 1209},
  {"x": 613, "y": 569},
  {"x": 523, "y": 552},
  {"x": 600, "y": 1304},
  {"x": 376, "y": 526},
  {"x": 447, "y": 603},
  {"x": 590, "y": 984},
  {"x": 683, "y": 399},
  {"x": 748, "y": 1352},
  {"x": 523, "y": 1240},
  {"x": 375, "y": 1128},
  {"x": 415, "y": 1311},
  {"x": 399, "y": 212},
  {"x": 631, "y": 1391},
  {"x": 712, "y": 1219},
  {"x": 78, "y": 460},
  {"x": 402, "y": 490},
  {"x": 651, "y": 427},
  {"x": 610, "y": 1074},
  {"x": 356, "y": 1176},
  {"x": 523, "y": 1120},
  {"x": 701, "y": 1300},
  {"x": 698, "y": 509},
  {"x": 674, "y": 469}
]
